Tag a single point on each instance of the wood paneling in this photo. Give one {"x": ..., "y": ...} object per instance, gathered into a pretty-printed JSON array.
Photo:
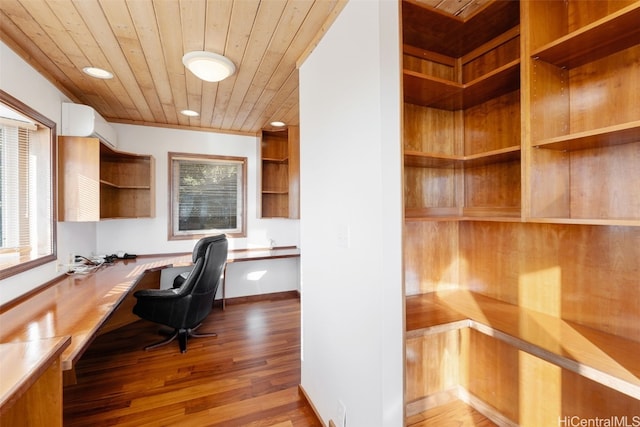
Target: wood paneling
[
  {"x": 432, "y": 364},
  {"x": 565, "y": 345},
  {"x": 142, "y": 43},
  {"x": 431, "y": 29},
  {"x": 430, "y": 256},
  {"x": 587, "y": 274}
]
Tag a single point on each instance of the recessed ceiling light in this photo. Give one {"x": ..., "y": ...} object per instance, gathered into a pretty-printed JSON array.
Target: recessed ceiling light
[
  {"x": 208, "y": 66},
  {"x": 277, "y": 124},
  {"x": 189, "y": 113},
  {"x": 98, "y": 73}
]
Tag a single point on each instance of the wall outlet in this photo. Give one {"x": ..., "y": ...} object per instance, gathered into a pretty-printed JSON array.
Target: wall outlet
[{"x": 341, "y": 415}]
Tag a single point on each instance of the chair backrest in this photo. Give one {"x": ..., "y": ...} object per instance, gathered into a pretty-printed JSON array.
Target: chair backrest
[{"x": 203, "y": 281}]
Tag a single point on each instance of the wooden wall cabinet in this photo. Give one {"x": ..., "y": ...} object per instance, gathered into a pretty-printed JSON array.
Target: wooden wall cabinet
[
  {"x": 97, "y": 182},
  {"x": 280, "y": 173}
]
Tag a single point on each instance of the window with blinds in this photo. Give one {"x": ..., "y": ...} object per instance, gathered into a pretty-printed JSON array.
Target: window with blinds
[
  {"x": 26, "y": 188},
  {"x": 208, "y": 195}
]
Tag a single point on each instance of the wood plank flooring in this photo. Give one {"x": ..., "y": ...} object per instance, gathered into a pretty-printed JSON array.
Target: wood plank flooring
[
  {"x": 452, "y": 414},
  {"x": 246, "y": 376}
]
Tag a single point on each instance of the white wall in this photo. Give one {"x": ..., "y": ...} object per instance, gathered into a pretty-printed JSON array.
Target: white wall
[
  {"x": 351, "y": 219},
  {"x": 145, "y": 236},
  {"x": 150, "y": 235},
  {"x": 21, "y": 81}
]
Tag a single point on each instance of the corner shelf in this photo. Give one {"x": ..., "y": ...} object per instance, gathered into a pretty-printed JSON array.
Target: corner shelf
[
  {"x": 608, "y": 35},
  {"x": 275, "y": 160},
  {"x": 429, "y": 91},
  {"x": 280, "y": 173},
  {"x": 566, "y": 344},
  {"x": 433, "y": 160}
]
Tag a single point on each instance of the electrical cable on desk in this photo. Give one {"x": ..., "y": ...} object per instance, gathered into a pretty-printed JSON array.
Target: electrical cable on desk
[{"x": 87, "y": 266}]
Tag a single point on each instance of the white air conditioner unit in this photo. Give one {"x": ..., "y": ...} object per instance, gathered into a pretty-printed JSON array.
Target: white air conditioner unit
[{"x": 82, "y": 120}]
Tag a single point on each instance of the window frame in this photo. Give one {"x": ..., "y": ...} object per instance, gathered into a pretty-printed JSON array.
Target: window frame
[
  {"x": 34, "y": 115},
  {"x": 173, "y": 193}
]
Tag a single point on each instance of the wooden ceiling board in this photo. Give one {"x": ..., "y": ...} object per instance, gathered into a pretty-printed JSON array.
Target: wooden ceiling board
[
  {"x": 114, "y": 93},
  {"x": 11, "y": 32},
  {"x": 146, "y": 29},
  {"x": 264, "y": 26},
  {"x": 142, "y": 44},
  {"x": 460, "y": 8},
  {"x": 276, "y": 50}
]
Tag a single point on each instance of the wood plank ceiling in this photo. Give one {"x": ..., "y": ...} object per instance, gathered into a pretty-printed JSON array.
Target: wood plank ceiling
[{"x": 142, "y": 43}]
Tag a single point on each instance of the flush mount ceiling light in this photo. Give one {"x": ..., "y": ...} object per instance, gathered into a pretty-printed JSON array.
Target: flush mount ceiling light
[
  {"x": 278, "y": 124},
  {"x": 98, "y": 73},
  {"x": 189, "y": 113},
  {"x": 208, "y": 66}
]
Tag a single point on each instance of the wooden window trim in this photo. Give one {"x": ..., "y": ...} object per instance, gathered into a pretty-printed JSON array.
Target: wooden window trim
[{"x": 25, "y": 110}]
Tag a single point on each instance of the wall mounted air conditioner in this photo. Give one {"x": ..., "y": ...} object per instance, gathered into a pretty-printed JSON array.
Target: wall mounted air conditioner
[{"x": 82, "y": 120}]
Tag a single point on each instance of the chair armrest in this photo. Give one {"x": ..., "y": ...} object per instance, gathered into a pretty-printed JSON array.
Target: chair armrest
[{"x": 157, "y": 293}]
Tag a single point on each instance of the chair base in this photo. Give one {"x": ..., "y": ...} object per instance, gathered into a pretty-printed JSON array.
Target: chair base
[{"x": 182, "y": 335}]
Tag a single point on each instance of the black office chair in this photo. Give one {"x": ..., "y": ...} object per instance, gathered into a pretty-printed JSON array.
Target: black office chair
[{"x": 184, "y": 308}]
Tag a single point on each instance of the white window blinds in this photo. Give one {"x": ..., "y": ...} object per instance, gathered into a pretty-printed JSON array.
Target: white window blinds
[{"x": 207, "y": 195}]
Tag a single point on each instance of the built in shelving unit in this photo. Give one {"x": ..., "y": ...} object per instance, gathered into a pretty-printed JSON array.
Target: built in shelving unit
[
  {"x": 98, "y": 182},
  {"x": 585, "y": 110},
  {"x": 462, "y": 115},
  {"x": 280, "y": 158},
  {"x": 522, "y": 208}
]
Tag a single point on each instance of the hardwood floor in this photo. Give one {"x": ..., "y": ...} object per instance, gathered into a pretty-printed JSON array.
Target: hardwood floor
[
  {"x": 246, "y": 376},
  {"x": 453, "y": 414}
]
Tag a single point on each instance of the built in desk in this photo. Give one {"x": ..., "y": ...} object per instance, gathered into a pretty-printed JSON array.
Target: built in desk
[{"x": 58, "y": 323}]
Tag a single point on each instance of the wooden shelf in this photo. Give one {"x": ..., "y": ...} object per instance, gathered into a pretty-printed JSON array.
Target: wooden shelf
[
  {"x": 500, "y": 214},
  {"x": 448, "y": 213},
  {"x": 280, "y": 173},
  {"x": 97, "y": 182},
  {"x": 507, "y": 214},
  {"x": 128, "y": 187},
  {"x": 613, "y": 135},
  {"x": 275, "y": 160},
  {"x": 434, "y": 92},
  {"x": 607, "y": 359},
  {"x": 432, "y": 160},
  {"x": 630, "y": 222},
  {"x": 609, "y": 35}
]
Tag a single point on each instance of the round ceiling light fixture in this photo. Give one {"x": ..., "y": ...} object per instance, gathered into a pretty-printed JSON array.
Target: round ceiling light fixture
[
  {"x": 278, "y": 124},
  {"x": 98, "y": 73},
  {"x": 189, "y": 113},
  {"x": 208, "y": 66}
]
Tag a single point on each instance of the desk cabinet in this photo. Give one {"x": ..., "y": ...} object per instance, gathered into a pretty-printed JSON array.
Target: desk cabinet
[{"x": 97, "y": 182}]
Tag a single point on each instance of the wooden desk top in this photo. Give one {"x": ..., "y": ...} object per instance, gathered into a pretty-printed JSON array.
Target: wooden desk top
[
  {"x": 605, "y": 358},
  {"x": 78, "y": 305},
  {"x": 28, "y": 361}
]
